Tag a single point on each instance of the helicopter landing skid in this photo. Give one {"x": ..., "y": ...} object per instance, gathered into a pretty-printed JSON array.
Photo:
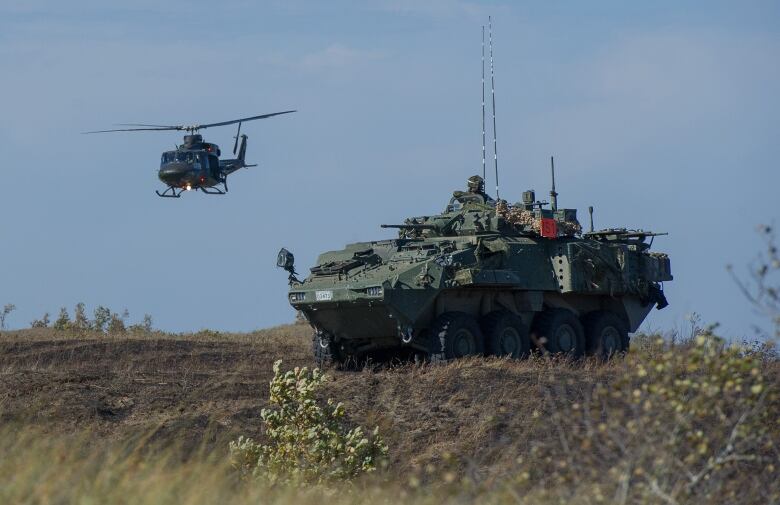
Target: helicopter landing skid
[
  {"x": 174, "y": 192},
  {"x": 170, "y": 192},
  {"x": 214, "y": 190}
]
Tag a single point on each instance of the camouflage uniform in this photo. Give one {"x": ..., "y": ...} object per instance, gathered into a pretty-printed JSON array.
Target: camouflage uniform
[{"x": 476, "y": 185}]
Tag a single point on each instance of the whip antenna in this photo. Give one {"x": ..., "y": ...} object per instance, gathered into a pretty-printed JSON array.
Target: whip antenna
[
  {"x": 483, "y": 103},
  {"x": 493, "y": 96},
  {"x": 553, "y": 193}
]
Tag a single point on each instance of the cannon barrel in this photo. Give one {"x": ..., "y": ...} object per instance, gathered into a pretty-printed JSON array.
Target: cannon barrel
[
  {"x": 411, "y": 226},
  {"x": 624, "y": 233}
]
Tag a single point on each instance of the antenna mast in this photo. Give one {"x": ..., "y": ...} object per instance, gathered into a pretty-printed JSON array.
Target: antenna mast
[
  {"x": 493, "y": 96},
  {"x": 483, "y": 103},
  {"x": 553, "y": 194},
  {"x": 590, "y": 211}
]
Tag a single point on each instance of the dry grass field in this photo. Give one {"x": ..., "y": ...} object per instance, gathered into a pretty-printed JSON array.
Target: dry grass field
[{"x": 146, "y": 418}]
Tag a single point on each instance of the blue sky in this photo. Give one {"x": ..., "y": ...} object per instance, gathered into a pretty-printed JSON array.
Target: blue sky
[{"x": 662, "y": 115}]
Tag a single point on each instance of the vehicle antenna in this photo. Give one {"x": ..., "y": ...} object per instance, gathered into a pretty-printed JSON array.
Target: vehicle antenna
[
  {"x": 553, "y": 194},
  {"x": 483, "y": 103},
  {"x": 590, "y": 211},
  {"x": 493, "y": 96}
]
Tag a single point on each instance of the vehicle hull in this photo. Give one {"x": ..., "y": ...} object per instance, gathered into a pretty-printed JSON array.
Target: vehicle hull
[{"x": 397, "y": 293}]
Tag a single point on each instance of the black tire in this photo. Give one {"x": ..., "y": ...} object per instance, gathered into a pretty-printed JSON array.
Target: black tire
[
  {"x": 505, "y": 335},
  {"x": 455, "y": 335},
  {"x": 606, "y": 334},
  {"x": 562, "y": 332},
  {"x": 325, "y": 355}
]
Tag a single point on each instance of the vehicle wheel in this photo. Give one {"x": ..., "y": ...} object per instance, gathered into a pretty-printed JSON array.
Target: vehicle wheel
[
  {"x": 605, "y": 334},
  {"x": 325, "y": 354},
  {"x": 455, "y": 335},
  {"x": 505, "y": 335},
  {"x": 562, "y": 332}
]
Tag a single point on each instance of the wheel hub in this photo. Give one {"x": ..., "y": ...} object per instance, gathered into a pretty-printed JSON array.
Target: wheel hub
[
  {"x": 566, "y": 338},
  {"x": 464, "y": 343},
  {"x": 509, "y": 341},
  {"x": 610, "y": 339}
]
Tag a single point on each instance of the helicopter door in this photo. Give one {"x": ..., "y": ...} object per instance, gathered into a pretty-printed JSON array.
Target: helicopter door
[{"x": 214, "y": 167}]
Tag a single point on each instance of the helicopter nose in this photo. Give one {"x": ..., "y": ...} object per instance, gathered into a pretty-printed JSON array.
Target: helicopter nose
[{"x": 173, "y": 173}]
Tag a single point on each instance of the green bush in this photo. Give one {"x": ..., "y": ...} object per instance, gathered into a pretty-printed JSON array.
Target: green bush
[
  {"x": 80, "y": 320},
  {"x": 688, "y": 423},
  {"x": 43, "y": 322},
  {"x": 105, "y": 321},
  {"x": 143, "y": 328},
  {"x": 116, "y": 324},
  {"x": 63, "y": 320},
  {"x": 206, "y": 333},
  {"x": 102, "y": 318},
  {"x": 309, "y": 440}
]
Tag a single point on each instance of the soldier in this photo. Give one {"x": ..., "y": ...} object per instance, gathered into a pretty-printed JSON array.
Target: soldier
[{"x": 476, "y": 185}]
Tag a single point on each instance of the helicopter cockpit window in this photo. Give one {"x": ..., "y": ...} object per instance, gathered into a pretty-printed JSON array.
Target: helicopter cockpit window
[
  {"x": 169, "y": 156},
  {"x": 184, "y": 156}
]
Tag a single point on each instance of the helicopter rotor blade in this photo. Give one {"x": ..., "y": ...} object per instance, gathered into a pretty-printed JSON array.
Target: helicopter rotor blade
[
  {"x": 148, "y": 125},
  {"x": 234, "y": 121},
  {"x": 164, "y": 128},
  {"x": 189, "y": 128},
  {"x": 235, "y": 144}
]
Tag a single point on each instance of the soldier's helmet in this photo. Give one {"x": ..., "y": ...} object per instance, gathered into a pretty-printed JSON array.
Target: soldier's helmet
[{"x": 476, "y": 184}]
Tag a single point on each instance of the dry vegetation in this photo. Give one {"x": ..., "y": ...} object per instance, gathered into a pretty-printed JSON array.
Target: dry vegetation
[{"x": 147, "y": 417}]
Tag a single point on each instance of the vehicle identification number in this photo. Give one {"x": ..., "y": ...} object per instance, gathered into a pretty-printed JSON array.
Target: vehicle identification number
[{"x": 324, "y": 296}]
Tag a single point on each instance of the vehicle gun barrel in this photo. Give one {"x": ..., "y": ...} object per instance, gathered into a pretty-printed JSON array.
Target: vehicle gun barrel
[
  {"x": 411, "y": 226},
  {"x": 645, "y": 234},
  {"x": 625, "y": 233}
]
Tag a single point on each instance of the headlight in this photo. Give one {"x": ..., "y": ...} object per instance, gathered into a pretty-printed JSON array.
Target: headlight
[
  {"x": 374, "y": 291},
  {"x": 297, "y": 297}
]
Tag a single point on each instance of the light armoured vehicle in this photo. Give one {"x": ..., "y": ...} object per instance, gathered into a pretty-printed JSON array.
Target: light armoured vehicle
[{"x": 480, "y": 278}]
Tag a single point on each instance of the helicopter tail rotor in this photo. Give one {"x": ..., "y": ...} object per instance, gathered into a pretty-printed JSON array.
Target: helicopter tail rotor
[
  {"x": 242, "y": 149},
  {"x": 238, "y": 132}
]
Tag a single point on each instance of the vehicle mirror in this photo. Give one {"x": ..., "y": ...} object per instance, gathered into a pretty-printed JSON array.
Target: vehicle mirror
[{"x": 285, "y": 259}]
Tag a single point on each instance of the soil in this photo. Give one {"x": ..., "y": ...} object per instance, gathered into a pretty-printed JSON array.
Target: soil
[{"x": 209, "y": 387}]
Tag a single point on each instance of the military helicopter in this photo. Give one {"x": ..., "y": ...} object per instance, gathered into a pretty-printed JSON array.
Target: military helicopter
[{"x": 195, "y": 164}]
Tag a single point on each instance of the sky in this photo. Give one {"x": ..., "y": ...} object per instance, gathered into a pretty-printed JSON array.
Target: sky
[{"x": 662, "y": 115}]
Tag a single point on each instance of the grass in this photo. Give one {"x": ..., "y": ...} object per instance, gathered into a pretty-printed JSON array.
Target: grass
[{"x": 146, "y": 418}]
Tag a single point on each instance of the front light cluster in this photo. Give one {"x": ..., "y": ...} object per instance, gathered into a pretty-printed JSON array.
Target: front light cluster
[
  {"x": 374, "y": 291},
  {"x": 297, "y": 297}
]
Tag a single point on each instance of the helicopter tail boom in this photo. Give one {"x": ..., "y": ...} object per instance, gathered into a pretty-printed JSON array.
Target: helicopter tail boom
[{"x": 227, "y": 167}]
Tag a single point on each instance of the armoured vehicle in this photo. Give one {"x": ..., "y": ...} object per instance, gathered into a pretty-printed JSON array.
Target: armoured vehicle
[{"x": 480, "y": 278}]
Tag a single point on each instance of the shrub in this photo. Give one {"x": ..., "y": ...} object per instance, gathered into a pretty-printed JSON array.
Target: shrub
[
  {"x": 206, "y": 333},
  {"x": 309, "y": 440},
  {"x": 42, "y": 322},
  {"x": 145, "y": 327},
  {"x": 80, "y": 319},
  {"x": 762, "y": 288},
  {"x": 116, "y": 325},
  {"x": 63, "y": 320},
  {"x": 102, "y": 318},
  {"x": 7, "y": 309},
  {"x": 680, "y": 424}
]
